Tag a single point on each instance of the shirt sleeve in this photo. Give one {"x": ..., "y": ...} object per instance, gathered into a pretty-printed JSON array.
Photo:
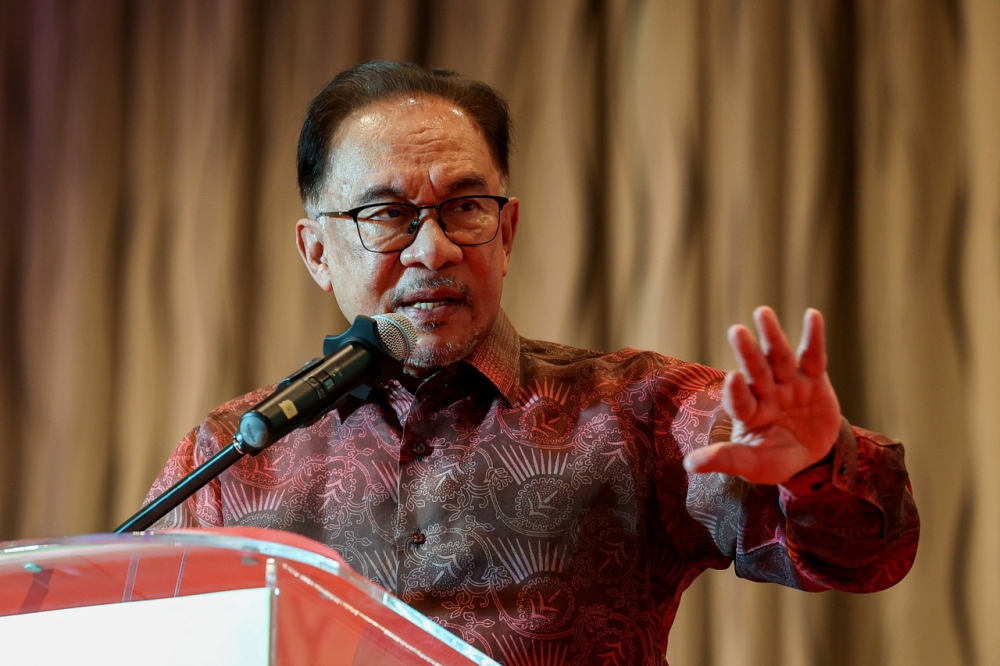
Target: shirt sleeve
[
  {"x": 204, "y": 508},
  {"x": 848, "y": 523}
]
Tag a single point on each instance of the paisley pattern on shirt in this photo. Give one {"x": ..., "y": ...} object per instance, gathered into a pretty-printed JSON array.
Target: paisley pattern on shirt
[{"x": 533, "y": 500}]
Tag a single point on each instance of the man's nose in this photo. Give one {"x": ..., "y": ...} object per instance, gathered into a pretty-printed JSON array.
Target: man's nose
[{"x": 431, "y": 247}]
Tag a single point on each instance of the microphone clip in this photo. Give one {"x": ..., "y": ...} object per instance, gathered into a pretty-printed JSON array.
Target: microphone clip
[{"x": 364, "y": 332}]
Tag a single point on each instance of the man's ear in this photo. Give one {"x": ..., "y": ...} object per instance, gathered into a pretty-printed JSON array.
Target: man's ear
[
  {"x": 508, "y": 228},
  {"x": 311, "y": 241}
]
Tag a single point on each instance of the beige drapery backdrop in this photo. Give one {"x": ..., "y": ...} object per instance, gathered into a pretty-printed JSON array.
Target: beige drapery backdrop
[{"x": 678, "y": 162}]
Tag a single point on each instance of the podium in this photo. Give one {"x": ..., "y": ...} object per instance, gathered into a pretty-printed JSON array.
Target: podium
[{"x": 243, "y": 596}]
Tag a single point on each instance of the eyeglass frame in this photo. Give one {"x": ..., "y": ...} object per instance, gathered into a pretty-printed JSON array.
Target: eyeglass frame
[{"x": 354, "y": 212}]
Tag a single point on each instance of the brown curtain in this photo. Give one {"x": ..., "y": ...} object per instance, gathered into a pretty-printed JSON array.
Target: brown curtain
[{"x": 678, "y": 161}]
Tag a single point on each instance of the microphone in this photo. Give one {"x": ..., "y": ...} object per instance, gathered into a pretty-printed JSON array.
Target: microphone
[{"x": 369, "y": 353}]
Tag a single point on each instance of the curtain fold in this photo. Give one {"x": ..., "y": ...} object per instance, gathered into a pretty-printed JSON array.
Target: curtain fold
[{"x": 678, "y": 162}]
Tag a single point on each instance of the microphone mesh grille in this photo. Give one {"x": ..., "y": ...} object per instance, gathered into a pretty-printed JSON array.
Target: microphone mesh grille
[{"x": 397, "y": 334}]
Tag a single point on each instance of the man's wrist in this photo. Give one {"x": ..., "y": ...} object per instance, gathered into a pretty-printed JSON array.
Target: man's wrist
[{"x": 838, "y": 468}]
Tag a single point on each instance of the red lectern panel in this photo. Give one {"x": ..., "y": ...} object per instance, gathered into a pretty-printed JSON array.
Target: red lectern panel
[{"x": 322, "y": 611}]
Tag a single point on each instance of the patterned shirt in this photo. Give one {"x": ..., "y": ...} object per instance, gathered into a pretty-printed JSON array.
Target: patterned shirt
[{"x": 532, "y": 499}]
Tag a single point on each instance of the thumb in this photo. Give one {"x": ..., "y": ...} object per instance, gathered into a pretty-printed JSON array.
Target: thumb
[{"x": 727, "y": 458}]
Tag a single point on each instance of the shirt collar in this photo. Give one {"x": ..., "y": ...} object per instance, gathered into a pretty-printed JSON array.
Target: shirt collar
[{"x": 498, "y": 358}]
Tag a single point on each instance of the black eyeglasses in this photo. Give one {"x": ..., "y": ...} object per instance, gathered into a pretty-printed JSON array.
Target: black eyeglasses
[{"x": 392, "y": 227}]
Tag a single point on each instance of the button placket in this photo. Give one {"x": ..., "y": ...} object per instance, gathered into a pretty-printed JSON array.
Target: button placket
[
  {"x": 424, "y": 431},
  {"x": 415, "y": 516}
]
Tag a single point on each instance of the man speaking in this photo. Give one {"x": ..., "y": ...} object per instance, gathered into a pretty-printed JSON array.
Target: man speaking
[{"x": 547, "y": 504}]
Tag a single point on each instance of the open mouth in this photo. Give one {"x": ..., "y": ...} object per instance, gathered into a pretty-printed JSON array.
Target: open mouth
[
  {"x": 426, "y": 309},
  {"x": 430, "y": 305},
  {"x": 431, "y": 295}
]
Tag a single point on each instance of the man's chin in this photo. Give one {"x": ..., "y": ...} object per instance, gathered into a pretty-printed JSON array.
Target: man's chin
[{"x": 431, "y": 355}]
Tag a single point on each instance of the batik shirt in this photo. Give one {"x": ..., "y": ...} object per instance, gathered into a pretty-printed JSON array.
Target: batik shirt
[{"x": 533, "y": 501}]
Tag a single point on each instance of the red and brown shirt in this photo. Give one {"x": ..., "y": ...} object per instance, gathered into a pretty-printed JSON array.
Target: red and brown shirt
[{"x": 532, "y": 499}]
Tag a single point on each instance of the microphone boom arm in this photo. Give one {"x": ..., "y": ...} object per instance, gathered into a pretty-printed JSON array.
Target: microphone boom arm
[{"x": 355, "y": 361}]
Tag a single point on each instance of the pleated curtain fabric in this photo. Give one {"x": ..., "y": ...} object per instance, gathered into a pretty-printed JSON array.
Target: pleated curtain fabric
[{"x": 678, "y": 163}]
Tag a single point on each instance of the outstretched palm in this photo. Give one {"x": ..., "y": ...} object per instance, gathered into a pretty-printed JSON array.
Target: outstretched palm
[{"x": 785, "y": 412}]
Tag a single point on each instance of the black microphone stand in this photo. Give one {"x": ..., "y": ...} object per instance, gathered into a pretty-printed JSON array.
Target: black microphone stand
[
  {"x": 257, "y": 432},
  {"x": 184, "y": 488}
]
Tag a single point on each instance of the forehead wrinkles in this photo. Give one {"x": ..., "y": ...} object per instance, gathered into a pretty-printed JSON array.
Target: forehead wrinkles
[
  {"x": 378, "y": 142},
  {"x": 423, "y": 146},
  {"x": 433, "y": 137},
  {"x": 408, "y": 136}
]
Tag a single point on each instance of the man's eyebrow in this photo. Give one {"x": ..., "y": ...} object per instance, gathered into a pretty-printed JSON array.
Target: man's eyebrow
[
  {"x": 384, "y": 193},
  {"x": 380, "y": 193},
  {"x": 474, "y": 181}
]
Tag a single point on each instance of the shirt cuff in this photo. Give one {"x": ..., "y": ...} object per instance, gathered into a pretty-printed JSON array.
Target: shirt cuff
[{"x": 839, "y": 469}]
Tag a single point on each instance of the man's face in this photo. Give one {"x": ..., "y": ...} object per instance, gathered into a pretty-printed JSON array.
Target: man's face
[{"x": 420, "y": 150}]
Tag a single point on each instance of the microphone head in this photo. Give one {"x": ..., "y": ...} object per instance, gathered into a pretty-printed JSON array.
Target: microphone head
[{"x": 397, "y": 334}]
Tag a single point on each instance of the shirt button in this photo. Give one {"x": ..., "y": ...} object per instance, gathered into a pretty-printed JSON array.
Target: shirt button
[
  {"x": 419, "y": 448},
  {"x": 418, "y": 538}
]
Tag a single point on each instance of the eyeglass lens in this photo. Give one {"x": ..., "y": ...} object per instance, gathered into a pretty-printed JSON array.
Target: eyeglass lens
[{"x": 391, "y": 226}]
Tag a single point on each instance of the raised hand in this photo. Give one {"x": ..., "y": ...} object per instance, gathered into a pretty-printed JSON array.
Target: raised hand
[{"x": 784, "y": 410}]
